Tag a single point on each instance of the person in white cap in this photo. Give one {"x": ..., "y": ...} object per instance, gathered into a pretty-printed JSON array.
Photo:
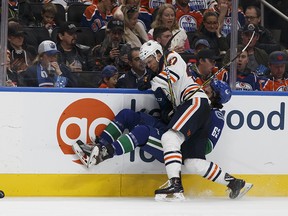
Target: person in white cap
[{"x": 46, "y": 72}]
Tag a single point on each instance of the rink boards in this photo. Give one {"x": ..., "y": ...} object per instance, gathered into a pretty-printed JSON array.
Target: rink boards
[{"x": 38, "y": 128}]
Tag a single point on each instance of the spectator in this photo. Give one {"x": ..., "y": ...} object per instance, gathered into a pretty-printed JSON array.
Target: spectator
[
  {"x": 20, "y": 10},
  {"x": 71, "y": 54},
  {"x": 189, "y": 20},
  {"x": 48, "y": 14},
  {"x": 145, "y": 16},
  {"x": 210, "y": 31},
  {"x": 246, "y": 79},
  {"x": 278, "y": 78},
  {"x": 46, "y": 72},
  {"x": 22, "y": 55},
  {"x": 166, "y": 16},
  {"x": 205, "y": 67},
  {"x": 137, "y": 72},
  {"x": 224, "y": 10},
  {"x": 258, "y": 58},
  {"x": 134, "y": 34},
  {"x": 97, "y": 15},
  {"x": 266, "y": 40},
  {"x": 118, "y": 11},
  {"x": 201, "y": 44},
  {"x": 162, "y": 35},
  {"x": 112, "y": 50},
  {"x": 109, "y": 76}
]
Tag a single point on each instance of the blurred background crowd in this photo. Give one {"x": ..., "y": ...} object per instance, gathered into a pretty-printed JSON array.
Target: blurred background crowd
[{"x": 96, "y": 43}]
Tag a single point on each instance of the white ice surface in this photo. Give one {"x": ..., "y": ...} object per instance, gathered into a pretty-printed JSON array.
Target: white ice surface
[{"x": 247, "y": 206}]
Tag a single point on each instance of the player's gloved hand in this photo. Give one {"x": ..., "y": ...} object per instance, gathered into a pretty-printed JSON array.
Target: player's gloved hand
[
  {"x": 167, "y": 113},
  {"x": 261, "y": 70}
]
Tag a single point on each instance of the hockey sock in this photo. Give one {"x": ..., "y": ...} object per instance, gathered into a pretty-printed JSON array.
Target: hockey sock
[
  {"x": 171, "y": 141},
  {"x": 127, "y": 142},
  {"x": 111, "y": 133},
  {"x": 206, "y": 169}
]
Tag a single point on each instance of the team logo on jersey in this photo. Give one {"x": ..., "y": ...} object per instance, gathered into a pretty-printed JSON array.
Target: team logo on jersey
[
  {"x": 156, "y": 3},
  {"x": 82, "y": 119},
  {"x": 188, "y": 23},
  {"x": 219, "y": 114},
  {"x": 172, "y": 61},
  {"x": 243, "y": 86},
  {"x": 282, "y": 88}
]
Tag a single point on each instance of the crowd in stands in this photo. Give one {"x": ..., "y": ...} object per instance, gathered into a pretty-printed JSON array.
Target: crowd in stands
[{"x": 72, "y": 43}]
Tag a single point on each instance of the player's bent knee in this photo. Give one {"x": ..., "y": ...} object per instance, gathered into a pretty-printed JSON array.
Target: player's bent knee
[
  {"x": 172, "y": 140},
  {"x": 141, "y": 133}
]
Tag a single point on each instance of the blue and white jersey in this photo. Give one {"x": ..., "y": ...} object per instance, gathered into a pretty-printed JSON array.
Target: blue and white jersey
[{"x": 216, "y": 127}]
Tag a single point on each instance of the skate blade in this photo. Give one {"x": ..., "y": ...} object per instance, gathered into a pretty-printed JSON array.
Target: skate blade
[
  {"x": 244, "y": 190},
  {"x": 78, "y": 151},
  {"x": 176, "y": 197},
  {"x": 92, "y": 158}
]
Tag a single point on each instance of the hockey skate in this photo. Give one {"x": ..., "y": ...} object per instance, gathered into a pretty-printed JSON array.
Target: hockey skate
[
  {"x": 172, "y": 190},
  {"x": 237, "y": 188},
  {"x": 99, "y": 154},
  {"x": 83, "y": 151}
]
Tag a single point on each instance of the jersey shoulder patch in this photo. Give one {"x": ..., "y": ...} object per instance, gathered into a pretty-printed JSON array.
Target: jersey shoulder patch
[
  {"x": 219, "y": 114},
  {"x": 172, "y": 61}
]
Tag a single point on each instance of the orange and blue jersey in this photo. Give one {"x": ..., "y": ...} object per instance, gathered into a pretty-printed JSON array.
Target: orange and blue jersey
[
  {"x": 189, "y": 20},
  {"x": 276, "y": 85},
  {"x": 249, "y": 82},
  {"x": 145, "y": 17},
  {"x": 153, "y": 4},
  {"x": 198, "y": 78},
  {"x": 94, "y": 19}
]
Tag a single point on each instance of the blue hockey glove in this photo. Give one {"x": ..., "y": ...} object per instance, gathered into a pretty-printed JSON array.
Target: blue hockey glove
[{"x": 261, "y": 70}]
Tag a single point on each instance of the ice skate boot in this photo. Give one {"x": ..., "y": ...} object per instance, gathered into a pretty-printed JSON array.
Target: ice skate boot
[
  {"x": 82, "y": 150},
  {"x": 99, "y": 154},
  {"x": 237, "y": 188},
  {"x": 172, "y": 190}
]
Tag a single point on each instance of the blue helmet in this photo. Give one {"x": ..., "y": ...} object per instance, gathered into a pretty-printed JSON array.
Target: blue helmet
[{"x": 223, "y": 89}]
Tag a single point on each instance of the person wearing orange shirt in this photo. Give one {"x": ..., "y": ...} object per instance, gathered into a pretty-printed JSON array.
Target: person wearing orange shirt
[
  {"x": 205, "y": 67},
  {"x": 278, "y": 78},
  {"x": 97, "y": 15},
  {"x": 189, "y": 20}
]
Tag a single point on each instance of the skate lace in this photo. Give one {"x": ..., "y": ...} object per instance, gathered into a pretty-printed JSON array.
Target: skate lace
[{"x": 165, "y": 185}]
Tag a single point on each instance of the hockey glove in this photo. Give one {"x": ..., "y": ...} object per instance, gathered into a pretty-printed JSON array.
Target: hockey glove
[
  {"x": 261, "y": 70},
  {"x": 164, "y": 104}
]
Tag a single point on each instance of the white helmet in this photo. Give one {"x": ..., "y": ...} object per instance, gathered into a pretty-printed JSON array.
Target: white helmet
[{"x": 149, "y": 48}]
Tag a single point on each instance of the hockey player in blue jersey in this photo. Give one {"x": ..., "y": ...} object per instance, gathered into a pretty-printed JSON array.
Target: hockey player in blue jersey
[{"x": 145, "y": 131}]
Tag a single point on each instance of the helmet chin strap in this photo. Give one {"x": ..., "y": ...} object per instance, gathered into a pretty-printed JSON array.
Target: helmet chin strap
[{"x": 156, "y": 57}]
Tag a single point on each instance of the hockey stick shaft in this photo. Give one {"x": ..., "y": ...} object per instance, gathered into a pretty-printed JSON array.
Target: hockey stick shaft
[
  {"x": 172, "y": 95},
  {"x": 227, "y": 65}
]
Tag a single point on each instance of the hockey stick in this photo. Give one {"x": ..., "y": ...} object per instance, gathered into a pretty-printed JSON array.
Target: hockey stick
[
  {"x": 173, "y": 100},
  {"x": 226, "y": 65}
]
